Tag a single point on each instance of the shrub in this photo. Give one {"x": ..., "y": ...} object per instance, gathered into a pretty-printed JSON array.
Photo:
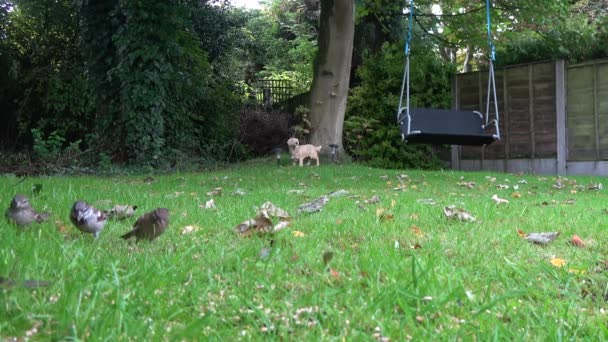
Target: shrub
[
  {"x": 378, "y": 145},
  {"x": 261, "y": 131}
]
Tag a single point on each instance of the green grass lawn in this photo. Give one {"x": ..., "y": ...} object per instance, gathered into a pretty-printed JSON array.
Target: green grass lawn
[{"x": 387, "y": 279}]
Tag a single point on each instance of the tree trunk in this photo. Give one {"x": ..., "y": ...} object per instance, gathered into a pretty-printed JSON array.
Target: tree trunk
[{"x": 329, "y": 88}]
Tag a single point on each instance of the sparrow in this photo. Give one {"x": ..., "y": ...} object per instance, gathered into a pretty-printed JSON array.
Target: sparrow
[
  {"x": 87, "y": 218},
  {"x": 150, "y": 225},
  {"x": 22, "y": 213}
]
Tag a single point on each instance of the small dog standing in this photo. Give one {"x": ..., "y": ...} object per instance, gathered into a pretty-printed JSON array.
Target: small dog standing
[{"x": 300, "y": 152}]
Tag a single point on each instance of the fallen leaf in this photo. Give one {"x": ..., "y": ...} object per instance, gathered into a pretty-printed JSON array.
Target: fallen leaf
[
  {"x": 521, "y": 233},
  {"x": 374, "y": 199},
  {"x": 215, "y": 192},
  {"x": 239, "y": 192},
  {"x": 335, "y": 274},
  {"x": 542, "y": 238},
  {"x": 417, "y": 231},
  {"x": 429, "y": 201},
  {"x": 597, "y": 186},
  {"x": 339, "y": 193},
  {"x": 416, "y": 246},
  {"x": 297, "y": 233},
  {"x": 468, "y": 185},
  {"x": 452, "y": 212},
  {"x": 262, "y": 223},
  {"x": 387, "y": 217},
  {"x": 315, "y": 205},
  {"x": 558, "y": 262},
  {"x": 491, "y": 179},
  {"x": 61, "y": 227},
  {"x": 393, "y": 203},
  {"x": 189, "y": 229},
  {"x": 499, "y": 200},
  {"x": 516, "y": 195},
  {"x": 414, "y": 216},
  {"x": 379, "y": 211},
  {"x": 502, "y": 186},
  {"x": 577, "y": 241},
  {"x": 119, "y": 212},
  {"x": 210, "y": 204}
]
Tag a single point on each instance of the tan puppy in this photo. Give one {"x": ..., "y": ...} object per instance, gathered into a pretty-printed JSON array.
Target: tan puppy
[
  {"x": 293, "y": 143},
  {"x": 306, "y": 151},
  {"x": 300, "y": 152}
]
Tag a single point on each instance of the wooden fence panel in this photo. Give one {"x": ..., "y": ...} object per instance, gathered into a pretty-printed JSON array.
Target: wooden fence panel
[
  {"x": 580, "y": 121},
  {"x": 602, "y": 108},
  {"x": 519, "y": 98},
  {"x": 544, "y": 111}
]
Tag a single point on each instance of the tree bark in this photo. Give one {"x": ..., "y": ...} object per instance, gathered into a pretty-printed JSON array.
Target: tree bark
[{"x": 331, "y": 78}]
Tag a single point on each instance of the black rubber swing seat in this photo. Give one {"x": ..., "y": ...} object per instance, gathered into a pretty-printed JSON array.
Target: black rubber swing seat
[{"x": 441, "y": 126}]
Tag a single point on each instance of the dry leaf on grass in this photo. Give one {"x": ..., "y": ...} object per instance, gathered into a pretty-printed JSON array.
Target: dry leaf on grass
[
  {"x": 315, "y": 205},
  {"x": 210, "y": 204},
  {"x": 215, "y": 192},
  {"x": 374, "y": 199},
  {"x": 468, "y": 185},
  {"x": 577, "y": 241},
  {"x": 416, "y": 231},
  {"x": 339, "y": 193},
  {"x": 452, "y": 212},
  {"x": 428, "y": 201},
  {"x": 597, "y": 186},
  {"x": 119, "y": 212},
  {"x": 502, "y": 186},
  {"x": 499, "y": 200},
  {"x": 239, "y": 192},
  {"x": 521, "y": 233},
  {"x": 297, "y": 233},
  {"x": 516, "y": 195},
  {"x": 189, "y": 229},
  {"x": 262, "y": 223},
  {"x": 542, "y": 238},
  {"x": 491, "y": 179},
  {"x": 61, "y": 227}
]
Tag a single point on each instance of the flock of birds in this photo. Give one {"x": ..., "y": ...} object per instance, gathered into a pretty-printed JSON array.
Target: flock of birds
[{"x": 89, "y": 219}]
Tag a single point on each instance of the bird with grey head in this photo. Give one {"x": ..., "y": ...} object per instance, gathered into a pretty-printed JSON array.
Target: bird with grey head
[
  {"x": 87, "y": 218},
  {"x": 22, "y": 213},
  {"x": 150, "y": 225}
]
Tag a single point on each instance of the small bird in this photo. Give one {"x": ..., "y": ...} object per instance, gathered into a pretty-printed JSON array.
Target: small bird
[
  {"x": 22, "y": 213},
  {"x": 87, "y": 218},
  {"x": 150, "y": 225}
]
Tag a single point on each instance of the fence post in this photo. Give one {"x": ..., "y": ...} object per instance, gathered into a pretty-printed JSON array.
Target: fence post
[
  {"x": 455, "y": 105},
  {"x": 560, "y": 110}
]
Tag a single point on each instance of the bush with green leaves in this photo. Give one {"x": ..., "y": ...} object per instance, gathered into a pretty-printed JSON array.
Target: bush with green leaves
[{"x": 378, "y": 145}]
